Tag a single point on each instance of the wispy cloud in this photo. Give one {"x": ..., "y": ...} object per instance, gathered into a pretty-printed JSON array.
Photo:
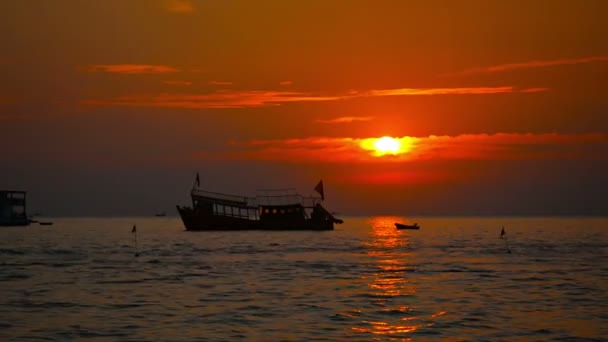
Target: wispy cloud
[
  {"x": 259, "y": 98},
  {"x": 313, "y": 149},
  {"x": 178, "y": 83},
  {"x": 501, "y": 146},
  {"x": 398, "y": 177},
  {"x": 180, "y": 6},
  {"x": 513, "y": 146},
  {"x": 345, "y": 119},
  {"x": 446, "y": 91},
  {"x": 219, "y": 83},
  {"x": 286, "y": 83},
  {"x": 535, "y": 90},
  {"x": 528, "y": 65},
  {"x": 131, "y": 69},
  {"x": 219, "y": 99}
]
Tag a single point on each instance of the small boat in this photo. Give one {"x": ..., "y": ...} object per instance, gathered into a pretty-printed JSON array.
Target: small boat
[
  {"x": 161, "y": 214},
  {"x": 45, "y": 223},
  {"x": 414, "y": 226}
]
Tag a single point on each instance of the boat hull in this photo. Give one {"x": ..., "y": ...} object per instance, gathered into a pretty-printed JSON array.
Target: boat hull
[
  {"x": 14, "y": 223},
  {"x": 197, "y": 220},
  {"x": 404, "y": 226}
]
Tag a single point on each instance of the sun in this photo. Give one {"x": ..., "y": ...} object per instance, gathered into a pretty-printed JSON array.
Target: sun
[{"x": 387, "y": 145}]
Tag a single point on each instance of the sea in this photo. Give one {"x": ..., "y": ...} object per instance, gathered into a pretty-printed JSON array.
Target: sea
[{"x": 455, "y": 279}]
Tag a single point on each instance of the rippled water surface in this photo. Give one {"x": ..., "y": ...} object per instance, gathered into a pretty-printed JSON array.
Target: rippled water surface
[{"x": 452, "y": 280}]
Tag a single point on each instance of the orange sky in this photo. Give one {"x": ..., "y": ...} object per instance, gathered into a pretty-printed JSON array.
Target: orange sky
[{"x": 504, "y": 104}]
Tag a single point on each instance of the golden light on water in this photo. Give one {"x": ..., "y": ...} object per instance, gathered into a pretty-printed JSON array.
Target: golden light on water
[
  {"x": 389, "y": 281},
  {"x": 395, "y": 315},
  {"x": 387, "y": 145}
]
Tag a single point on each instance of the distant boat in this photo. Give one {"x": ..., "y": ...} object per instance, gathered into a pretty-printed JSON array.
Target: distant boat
[
  {"x": 414, "y": 226},
  {"x": 12, "y": 208},
  {"x": 162, "y": 214},
  {"x": 45, "y": 223}
]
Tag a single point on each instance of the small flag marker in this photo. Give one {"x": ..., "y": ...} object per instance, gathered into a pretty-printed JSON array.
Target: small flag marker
[
  {"x": 503, "y": 235},
  {"x": 134, "y": 231}
]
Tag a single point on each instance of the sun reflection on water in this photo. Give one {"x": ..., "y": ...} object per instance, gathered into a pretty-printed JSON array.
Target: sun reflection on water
[{"x": 391, "y": 288}]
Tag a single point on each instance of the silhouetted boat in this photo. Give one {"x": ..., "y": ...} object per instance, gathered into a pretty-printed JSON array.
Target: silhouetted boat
[
  {"x": 269, "y": 210},
  {"x": 414, "y": 226},
  {"x": 160, "y": 214},
  {"x": 13, "y": 208},
  {"x": 45, "y": 223}
]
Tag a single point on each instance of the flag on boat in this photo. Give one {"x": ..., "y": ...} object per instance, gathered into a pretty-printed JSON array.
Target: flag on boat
[
  {"x": 134, "y": 230},
  {"x": 198, "y": 180},
  {"x": 502, "y": 232},
  {"x": 319, "y": 189}
]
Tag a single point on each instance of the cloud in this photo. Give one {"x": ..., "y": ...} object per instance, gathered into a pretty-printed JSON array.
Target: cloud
[
  {"x": 180, "y": 6},
  {"x": 528, "y": 65},
  {"x": 398, "y": 177},
  {"x": 219, "y": 83},
  {"x": 446, "y": 91},
  {"x": 307, "y": 149},
  {"x": 218, "y": 99},
  {"x": 501, "y": 146},
  {"x": 258, "y": 98},
  {"x": 131, "y": 69},
  {"x": 286, "y": 83},
  {"x": 178, "y": 83},
  {"x": 344, "y": 119},
  {"x": 535, "y": 90},
  {"x": 512, "y": 146}
]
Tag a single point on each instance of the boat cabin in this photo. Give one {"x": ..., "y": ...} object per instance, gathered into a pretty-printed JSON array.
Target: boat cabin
[
  {"x": 281, "y": 209},
  {"x": 217, "y": 204},
  {"x": 264, "y": 207},
  {"x": 283, "y": 213}
]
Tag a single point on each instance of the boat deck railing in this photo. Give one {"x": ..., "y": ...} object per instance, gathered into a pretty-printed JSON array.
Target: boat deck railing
[
  {"x": 262, "y": 199},
  {"x": 222, "y": 197}
]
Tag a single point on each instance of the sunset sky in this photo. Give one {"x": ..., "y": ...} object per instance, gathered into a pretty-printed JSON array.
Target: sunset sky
[{"x": 498, "y": 107}]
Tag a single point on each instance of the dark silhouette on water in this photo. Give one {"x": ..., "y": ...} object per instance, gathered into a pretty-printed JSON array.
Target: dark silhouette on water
[
  {"x": 13, "y": 208},
  {"x": 274, "y": 209},
  {"x": 414, "y": 226},
  {"x": 134, "y": 232},
  {"x": 503, "y": 235}
]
